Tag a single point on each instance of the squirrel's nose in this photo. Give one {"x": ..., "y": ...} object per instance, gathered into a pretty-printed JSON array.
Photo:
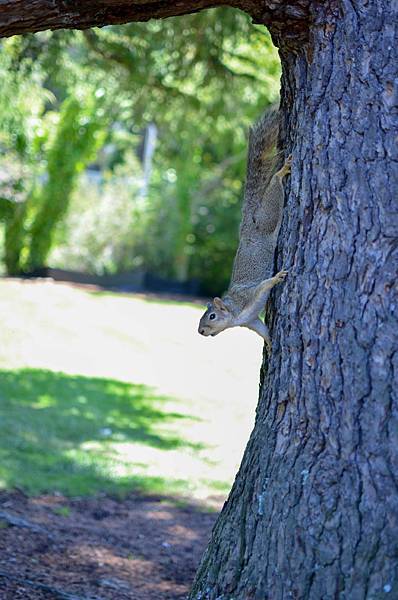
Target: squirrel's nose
[{"x": 201, "y": 331}]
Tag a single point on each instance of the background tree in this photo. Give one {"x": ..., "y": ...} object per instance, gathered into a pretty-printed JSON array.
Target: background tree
[
  {"x": 76, "y": 141},
  {"x": 42, "y": 152},
  {"x": 313, "y": 511},
  {"x": 21, "y": 101}
]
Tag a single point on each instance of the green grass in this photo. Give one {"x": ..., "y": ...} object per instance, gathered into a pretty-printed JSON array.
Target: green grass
[
  {"x": 62, "y": 511},
  {"x": 60, "y": 432},
  {"x": 113, "y": 393}
]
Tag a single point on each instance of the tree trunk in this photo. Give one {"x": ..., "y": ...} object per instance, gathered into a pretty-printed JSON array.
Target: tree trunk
[
  {"x": 14, "y": 235},
  {"x": 313, "y": 513}
]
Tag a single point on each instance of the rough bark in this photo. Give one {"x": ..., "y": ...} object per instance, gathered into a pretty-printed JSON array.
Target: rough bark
[
  {"x": 313, "y": 513},
  {"x": 27, "y": 16}
]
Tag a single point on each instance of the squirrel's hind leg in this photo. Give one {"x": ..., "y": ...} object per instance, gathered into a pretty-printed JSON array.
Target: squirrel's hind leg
[
  {"x": 259, "y": 327},
  {"x": 260, "y": 297}
]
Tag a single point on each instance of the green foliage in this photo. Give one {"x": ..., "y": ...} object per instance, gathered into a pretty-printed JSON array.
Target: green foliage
[
  {"x": 202, "y": 79},
  {"x": 62, "y": 511},
  {"x": 77, "y": 139},
  {"x": 190, "y": 70},
  {"x": 104, "y": 229},
  {"x": 22, "y": 99},
  {"x": 47, "y": 150}
]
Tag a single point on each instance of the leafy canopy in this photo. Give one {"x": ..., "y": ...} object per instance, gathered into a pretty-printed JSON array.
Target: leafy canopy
[{"x": 202, "y": 79}]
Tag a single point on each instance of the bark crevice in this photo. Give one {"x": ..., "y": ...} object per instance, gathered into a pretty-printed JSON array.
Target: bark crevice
[{"x": 323, "y": 455}]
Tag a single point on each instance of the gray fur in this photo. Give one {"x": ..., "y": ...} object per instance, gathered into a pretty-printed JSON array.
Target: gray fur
[{"x": 251, "y": 279}]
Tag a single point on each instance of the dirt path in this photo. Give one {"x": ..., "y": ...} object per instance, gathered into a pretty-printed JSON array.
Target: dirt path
[{"x": 101, "y": 548}]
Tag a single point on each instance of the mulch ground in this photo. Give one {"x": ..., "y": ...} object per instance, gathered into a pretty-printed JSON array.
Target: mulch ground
[{"x": 100, "y": 548}]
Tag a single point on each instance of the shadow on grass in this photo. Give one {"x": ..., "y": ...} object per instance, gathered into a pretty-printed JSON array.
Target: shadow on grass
[{"x": 62, "y": 432}]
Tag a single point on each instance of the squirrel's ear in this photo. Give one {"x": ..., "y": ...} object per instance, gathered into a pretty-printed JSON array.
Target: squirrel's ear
[{"x": 219, "y": 304}]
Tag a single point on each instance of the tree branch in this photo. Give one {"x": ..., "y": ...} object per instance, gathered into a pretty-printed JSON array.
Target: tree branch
[
  {"x": 287, "y": 20},
  {"x": 125, "y": 59},
  {"x": 23, "y": 16}
]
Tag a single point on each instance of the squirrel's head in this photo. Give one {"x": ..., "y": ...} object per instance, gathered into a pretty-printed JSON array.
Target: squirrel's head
[{"x": 216, "y": 318}]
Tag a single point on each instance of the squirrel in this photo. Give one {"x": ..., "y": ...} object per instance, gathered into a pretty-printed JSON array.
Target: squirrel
[{"x": 251, "y": 279}]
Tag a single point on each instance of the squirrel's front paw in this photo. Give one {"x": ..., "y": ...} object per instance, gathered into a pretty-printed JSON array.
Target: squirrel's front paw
[{"x": 281, "y": 276}]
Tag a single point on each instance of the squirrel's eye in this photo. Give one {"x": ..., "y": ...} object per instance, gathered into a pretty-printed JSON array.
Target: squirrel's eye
[{"x": 212, "y": 316}]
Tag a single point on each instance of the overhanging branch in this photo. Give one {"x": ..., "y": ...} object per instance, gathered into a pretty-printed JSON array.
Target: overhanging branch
[
  {"x": 286, "y": 19},
  {"x": 28, "y": 16}
]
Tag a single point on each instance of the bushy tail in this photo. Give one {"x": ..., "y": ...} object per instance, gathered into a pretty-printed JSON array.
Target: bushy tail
[{"x": 261, "y": 162}]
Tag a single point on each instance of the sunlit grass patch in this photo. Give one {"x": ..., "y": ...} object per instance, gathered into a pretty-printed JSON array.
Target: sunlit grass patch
[
  {"x": 80, "y": 435},
  {"x": 110, "y": 393}
]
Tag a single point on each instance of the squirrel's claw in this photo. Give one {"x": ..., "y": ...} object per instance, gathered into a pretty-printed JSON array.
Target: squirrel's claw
[{"x": 281, "y": 276}]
